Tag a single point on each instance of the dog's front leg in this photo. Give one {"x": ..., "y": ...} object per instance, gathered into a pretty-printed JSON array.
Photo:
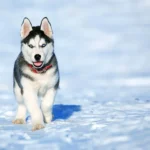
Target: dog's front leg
[
  {"x": 31, "y": 101},
  {"x": 47, "y": 103},
  {"x": 21, "y": 111}
]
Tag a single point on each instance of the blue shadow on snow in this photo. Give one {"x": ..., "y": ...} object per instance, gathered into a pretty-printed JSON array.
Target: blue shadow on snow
[{"x": 61, "y": 111}]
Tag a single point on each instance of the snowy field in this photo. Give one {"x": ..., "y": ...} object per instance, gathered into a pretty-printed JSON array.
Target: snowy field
[{"x": 103, "y": 50}]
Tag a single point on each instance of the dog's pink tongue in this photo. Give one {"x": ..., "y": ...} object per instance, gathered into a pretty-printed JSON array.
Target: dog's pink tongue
[{"x": 37, "y": 64}]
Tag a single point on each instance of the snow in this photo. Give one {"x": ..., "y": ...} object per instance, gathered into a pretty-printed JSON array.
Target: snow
[{"x": 103, "y": 53}]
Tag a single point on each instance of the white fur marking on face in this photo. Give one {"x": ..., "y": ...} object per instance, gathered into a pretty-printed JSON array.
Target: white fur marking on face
[
  {"x": 48, "y": 52},
  {"x": 32, "y": 42},
  {"x": 42, "y": 41},
  {"x": 37, "y": 41},
  {"x": 45, "y": 52}
]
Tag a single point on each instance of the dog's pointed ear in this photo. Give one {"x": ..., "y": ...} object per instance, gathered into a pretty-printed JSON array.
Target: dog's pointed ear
[
  {"x": 26, "y": 27},
  {"x": 46, "y": 27}
]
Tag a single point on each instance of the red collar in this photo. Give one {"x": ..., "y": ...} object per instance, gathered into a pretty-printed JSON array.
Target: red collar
[{"x": 41, "y": 71}]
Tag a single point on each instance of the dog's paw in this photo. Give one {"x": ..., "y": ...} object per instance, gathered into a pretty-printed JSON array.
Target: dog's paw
[
  {"x": 48, "y": 119},
  {"x": 18, "y": 121},
  {"x": 37, "y": 127}
]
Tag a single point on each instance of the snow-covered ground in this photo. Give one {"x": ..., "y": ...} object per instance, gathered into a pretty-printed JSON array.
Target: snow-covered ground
[{"x": 104, "y": 59}]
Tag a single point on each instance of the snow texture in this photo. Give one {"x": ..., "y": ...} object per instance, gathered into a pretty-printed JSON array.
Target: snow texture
[{"x": 104, "y": 59}]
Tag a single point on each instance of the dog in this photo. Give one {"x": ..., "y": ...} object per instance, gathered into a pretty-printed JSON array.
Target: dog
[{"x": 36, "y": 74}]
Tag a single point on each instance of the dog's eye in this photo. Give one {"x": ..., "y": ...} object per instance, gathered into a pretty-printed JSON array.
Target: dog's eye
[
  {"x": 30, "y": 45},
  {"x": 43, "y": 45}
]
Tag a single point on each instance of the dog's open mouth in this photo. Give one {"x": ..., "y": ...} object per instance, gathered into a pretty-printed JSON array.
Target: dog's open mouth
[{"x": 38, "y": 64}]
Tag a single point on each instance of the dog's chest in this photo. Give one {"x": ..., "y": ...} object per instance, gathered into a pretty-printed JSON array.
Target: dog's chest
[
  {"x": 46, "y": 81},
  {"x": 43, "y": 81}
]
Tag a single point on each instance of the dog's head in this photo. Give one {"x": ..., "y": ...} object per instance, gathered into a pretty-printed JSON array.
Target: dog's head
[{"x": 37, "y": 42}]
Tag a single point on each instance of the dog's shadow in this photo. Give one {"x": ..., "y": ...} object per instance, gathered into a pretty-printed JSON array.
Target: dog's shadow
[{"x": 61, "y": 111}]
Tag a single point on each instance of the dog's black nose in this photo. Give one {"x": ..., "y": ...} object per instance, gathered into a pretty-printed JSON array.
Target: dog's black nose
[{"x": 37, "y": 57}]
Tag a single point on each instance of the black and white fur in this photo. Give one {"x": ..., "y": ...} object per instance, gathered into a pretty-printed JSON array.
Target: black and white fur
[{"x": 29, "y": 86}]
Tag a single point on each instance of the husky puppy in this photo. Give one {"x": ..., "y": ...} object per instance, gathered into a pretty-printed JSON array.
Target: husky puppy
[{"x": 36, "y": 74}]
